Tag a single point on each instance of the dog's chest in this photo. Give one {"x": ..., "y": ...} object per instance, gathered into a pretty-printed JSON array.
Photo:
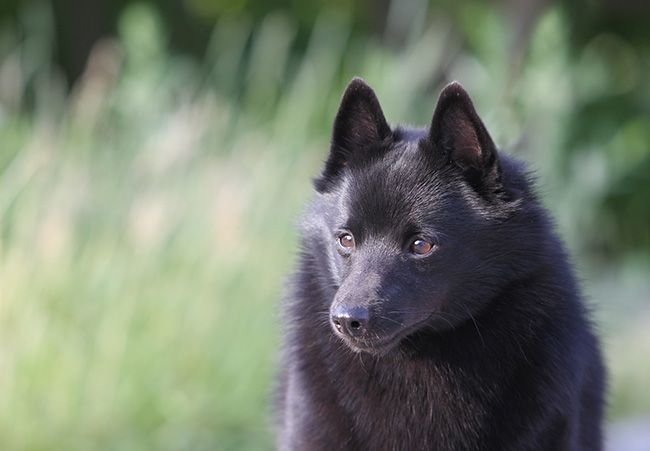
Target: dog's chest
[{"x": 417, "y": 406}]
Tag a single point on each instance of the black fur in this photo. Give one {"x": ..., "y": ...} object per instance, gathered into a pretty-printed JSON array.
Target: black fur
[{"x": 482, "y": 344}]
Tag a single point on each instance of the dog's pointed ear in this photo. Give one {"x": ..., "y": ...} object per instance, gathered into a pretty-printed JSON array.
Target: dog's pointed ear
[
  {"x": 458, "y": 134},
  {"x": 359, "y": 129}
]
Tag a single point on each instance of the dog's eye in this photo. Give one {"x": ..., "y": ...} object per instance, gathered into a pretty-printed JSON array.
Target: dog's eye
[
  {"x": 421, "y": 246},
  {"x": 346, "y": 241}
]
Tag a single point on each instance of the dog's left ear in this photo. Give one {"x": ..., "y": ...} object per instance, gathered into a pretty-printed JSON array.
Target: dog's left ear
[{"x": 458, "y": 134}]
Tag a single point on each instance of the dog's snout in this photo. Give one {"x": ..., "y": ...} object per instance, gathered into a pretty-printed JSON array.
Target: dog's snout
[{"x": 352, "y": 321}]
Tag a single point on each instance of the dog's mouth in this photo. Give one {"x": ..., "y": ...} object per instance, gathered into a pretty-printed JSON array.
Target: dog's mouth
[
  {"x": 375, "y": 347},
  {"x": 379, "y": 345}
]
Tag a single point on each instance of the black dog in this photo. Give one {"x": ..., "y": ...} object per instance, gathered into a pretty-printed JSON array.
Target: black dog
[{"x": 433, "y": 307}]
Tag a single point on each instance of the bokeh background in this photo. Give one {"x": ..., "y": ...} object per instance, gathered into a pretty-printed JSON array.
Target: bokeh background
[{"x": 155, "y": 155}]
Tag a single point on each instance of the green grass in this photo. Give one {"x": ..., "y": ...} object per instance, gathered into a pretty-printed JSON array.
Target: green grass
[
  {"x": 146, "y": 224},
  {"x": 139, "y": 310}
]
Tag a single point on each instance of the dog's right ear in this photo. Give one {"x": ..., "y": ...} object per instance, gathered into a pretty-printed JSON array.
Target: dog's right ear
[{"x": 360, "y": 129}]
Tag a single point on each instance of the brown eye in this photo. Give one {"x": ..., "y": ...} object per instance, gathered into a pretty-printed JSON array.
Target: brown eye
[
  {"x": 421, "y": 247},
  {"x": 346, "y": 241}
]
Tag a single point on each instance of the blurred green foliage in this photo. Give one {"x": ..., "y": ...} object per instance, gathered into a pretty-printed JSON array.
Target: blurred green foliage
[
  {"x": 603, "y": 47},
  {"x": 146, "y": 212}
]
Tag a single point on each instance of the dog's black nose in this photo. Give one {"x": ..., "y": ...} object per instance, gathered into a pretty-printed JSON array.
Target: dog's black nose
[{"x": 350, "y": 321}]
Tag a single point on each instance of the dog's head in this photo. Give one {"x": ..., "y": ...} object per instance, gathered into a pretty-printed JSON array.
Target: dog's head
[{"x": 416, "y": 223}]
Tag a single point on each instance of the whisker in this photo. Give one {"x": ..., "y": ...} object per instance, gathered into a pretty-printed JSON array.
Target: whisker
[{"x": 478, "y": 331}]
